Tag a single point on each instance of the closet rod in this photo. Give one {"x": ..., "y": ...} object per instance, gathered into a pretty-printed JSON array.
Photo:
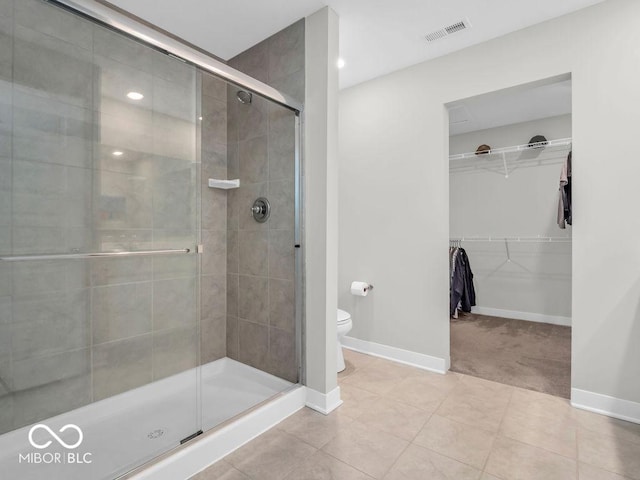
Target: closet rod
[{"x": 522, "y": 239}]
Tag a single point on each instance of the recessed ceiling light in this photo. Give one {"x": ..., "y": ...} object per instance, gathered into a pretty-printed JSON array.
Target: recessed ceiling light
[
  {"x": 135, "y": 96},
  {"x": 117, "y": 153},
  {"x": 340, "y": 63},
  {"x": 199, "y": 118}
]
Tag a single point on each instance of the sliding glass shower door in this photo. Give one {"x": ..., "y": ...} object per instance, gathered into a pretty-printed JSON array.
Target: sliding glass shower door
[
  {"x": 140, "y": 303},
  {"x": 99, "y": 222}
]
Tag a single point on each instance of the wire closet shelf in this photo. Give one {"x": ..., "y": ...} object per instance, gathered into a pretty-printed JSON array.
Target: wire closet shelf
[
  {"x": 521, "y": 239},
  {"x": 506, "y": 160}
]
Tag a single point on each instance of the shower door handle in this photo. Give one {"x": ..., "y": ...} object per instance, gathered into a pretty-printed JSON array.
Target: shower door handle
[{"x": 67, "y": 256}]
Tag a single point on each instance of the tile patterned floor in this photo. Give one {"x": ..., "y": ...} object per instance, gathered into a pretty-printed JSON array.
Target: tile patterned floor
[{"x": 402, "y": 423}]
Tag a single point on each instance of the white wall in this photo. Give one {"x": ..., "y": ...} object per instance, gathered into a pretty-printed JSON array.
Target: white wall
[
  {"x": 320, "y": 179},
  {"x": 482, "y": 202},
  {"x": 394, "y": 188}
]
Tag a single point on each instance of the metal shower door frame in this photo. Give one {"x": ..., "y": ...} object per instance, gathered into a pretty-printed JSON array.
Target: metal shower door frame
[{"x": 123, "y": 22}]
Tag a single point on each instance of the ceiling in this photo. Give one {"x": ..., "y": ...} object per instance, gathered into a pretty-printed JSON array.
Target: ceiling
[
  {"x": 376, "y": 36},
  {"x": 514, "y": 105}
]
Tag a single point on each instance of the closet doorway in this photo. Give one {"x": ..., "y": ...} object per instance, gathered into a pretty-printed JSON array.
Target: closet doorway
[{"x": 510, "y": 237}]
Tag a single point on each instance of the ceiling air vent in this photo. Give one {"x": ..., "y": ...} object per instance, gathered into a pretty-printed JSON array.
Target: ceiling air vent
[{"x": 446, "y": 31}]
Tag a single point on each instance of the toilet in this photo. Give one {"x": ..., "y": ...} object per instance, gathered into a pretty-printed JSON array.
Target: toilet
[{"x": 344, "y": 327}]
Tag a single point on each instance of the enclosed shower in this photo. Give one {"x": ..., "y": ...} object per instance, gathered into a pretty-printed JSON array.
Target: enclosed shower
[{"x": 143, "y": 299}]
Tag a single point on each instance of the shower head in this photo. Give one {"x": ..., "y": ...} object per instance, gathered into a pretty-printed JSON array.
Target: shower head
[{"x": 244, "y": 97}]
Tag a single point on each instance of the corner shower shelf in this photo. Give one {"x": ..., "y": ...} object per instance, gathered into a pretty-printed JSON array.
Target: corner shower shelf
[
  {"x": 499, "y": 160},
  {"x": 224, "y": 184}
]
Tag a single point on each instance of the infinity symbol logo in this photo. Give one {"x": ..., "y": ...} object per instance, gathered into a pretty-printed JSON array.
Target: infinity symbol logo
[{"x": 53, "y": 434}]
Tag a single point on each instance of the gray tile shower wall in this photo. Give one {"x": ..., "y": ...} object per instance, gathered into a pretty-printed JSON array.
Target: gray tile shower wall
[
  {"x": 213, "y": 289},
  {"x": 260, "y": 256}
]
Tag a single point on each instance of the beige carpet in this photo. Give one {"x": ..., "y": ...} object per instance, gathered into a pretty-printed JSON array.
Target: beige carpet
[{"x": 531, "y": 355}]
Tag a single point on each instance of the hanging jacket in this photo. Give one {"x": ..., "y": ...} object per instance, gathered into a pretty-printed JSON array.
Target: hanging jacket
[
  {"x": 462, "y": 291},
  {"x": 568, "y": 206},
  {"x": 564, "y": 202}
]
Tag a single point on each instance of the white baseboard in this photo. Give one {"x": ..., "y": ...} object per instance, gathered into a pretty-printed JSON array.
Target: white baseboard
[
  {"x": 211, "y": 448},
  {"x": 605, "y": 405},
  {"x": 529, "y": 316},
  {"x": 324, "y": 403},
  {"x": 419, "y": 360}
]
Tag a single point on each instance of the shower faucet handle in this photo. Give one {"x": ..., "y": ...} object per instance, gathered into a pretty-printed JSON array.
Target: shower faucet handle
[{"x": 261, "y": 210}]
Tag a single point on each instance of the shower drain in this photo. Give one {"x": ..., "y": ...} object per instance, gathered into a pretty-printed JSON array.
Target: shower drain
[{"x": 155, "y": 434}]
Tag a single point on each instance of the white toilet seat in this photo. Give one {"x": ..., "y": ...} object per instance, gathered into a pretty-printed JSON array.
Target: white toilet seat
[
  {"x": 343, "y": 317},
  {"x": 344, "y": 326}
]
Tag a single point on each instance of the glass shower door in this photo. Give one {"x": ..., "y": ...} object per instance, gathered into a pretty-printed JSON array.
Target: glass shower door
[{"x": 98, "y": 155}]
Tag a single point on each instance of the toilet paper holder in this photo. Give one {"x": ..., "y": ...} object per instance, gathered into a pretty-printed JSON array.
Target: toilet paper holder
[{"x": 360, "y": 288}]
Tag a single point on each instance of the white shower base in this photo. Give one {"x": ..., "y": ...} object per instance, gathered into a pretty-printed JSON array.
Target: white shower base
[{"x": 126, "y": 430}]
